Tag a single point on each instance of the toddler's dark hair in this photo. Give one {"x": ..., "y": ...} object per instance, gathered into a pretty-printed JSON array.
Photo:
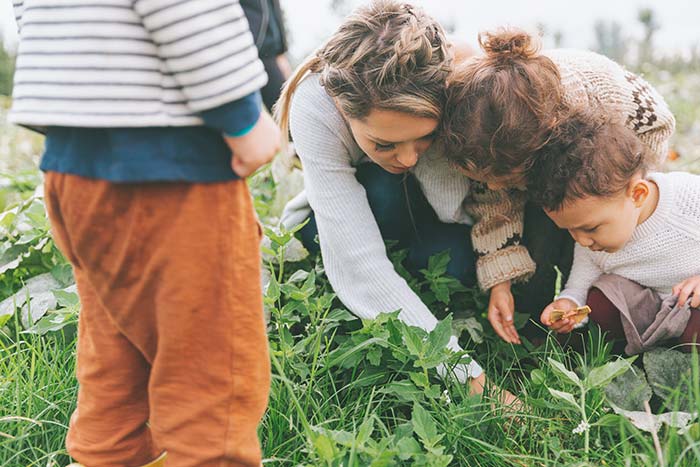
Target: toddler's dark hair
[{"x": 587, "y": 155}]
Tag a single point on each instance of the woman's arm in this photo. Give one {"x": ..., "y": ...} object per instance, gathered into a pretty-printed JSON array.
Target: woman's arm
[
  {"x": 354, "y": 254},
  {"x": 353, "y": 251}
]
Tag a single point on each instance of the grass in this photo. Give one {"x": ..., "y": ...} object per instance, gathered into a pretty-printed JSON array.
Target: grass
[
  {"x": 38, "y": 392},
  {"x": 347, "y": 392}
]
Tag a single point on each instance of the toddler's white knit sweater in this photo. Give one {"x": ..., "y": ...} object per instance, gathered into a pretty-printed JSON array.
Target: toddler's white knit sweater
[{"x": 664, "y": 250}]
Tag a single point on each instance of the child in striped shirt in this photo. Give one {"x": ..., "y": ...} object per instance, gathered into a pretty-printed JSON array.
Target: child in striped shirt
[{"x": 152, "y": 115}]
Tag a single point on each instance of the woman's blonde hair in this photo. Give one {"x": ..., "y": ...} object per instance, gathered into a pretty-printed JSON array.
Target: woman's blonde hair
[{"x": 387, "y": 55}]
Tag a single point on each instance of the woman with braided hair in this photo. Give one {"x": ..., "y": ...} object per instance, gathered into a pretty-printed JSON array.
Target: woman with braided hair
[
  {"x": 363, "y": 111},
  {"x": 502, "y": 109}
]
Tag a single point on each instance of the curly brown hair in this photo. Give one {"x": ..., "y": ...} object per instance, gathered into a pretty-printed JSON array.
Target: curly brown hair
[
  {"x": 502, "y": 106},
  {"x": 587, "y": 155}
]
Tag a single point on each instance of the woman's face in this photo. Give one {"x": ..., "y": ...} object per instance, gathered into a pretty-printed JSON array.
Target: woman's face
[{"x": 394, "y": 140}]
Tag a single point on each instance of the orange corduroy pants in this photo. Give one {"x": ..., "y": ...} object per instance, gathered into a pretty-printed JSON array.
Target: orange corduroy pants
[{"x": 172, "y": 351}]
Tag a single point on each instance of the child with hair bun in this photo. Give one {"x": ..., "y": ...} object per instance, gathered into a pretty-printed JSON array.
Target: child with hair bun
[
  {"x": 502, "y": 108},
  {"x": 637, "y": 233}
]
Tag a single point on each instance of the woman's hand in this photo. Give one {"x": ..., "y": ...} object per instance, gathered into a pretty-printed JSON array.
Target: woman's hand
[
  {"x": 501, "y": 311},
  {"x": 564, "y": 325},
  {"x": 686, "y": 289}
]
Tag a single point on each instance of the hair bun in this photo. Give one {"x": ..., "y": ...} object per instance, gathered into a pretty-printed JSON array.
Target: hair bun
[{"x": 509, "y": 43}]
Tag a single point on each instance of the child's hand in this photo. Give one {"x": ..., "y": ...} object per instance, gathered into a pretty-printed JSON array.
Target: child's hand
[
  {"x": 501, "y": 310},
  {"x": 564, "y": 325},
  {"x": 686, "y": 289},
  {"x": 256, "y": 148}
]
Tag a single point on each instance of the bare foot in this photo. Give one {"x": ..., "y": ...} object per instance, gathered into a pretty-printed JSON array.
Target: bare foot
[{"x": 510, "y": 403}]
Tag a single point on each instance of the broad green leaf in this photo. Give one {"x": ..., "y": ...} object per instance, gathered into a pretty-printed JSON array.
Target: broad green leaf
[
  {"x": 472, "y": 326},
  {"x": 668, "y": 373},
  {"x": 4, "y": 319},
  {"x": 424, "y": 426},
  {"x": 340, "y": 315},
  {"x": 408, "y": 447},
  {"x": 54, "y": 321},
  {"x": 405, "y": 391},
  {"x": 324, "y": 447},
  {"x": 602, "y": 375},
  {"x": 608, "y": 419},
  {"x": 538, "y": 377},
  {"x": 440, "y": 336},
  {"x": 374, "y": 356},
  {"x": 651, "y": 423},
  {"x": 298, "y": 276},
  {"x": 365, "y": 431},
  {"x": 629, "y": 390},
  {"x": 419, "y": 379},
  {"x": 38, "y": 305},
  {"x": 309, "y": 285},
  {"x": 520, "y": 320},
  {"x": 344, "y": 438},
  {"x": 67, "y": 297},
  {"x": 566, "y": 396},
  {"x": 413, "y": 341},
  {"x": 561, "y": 371},
  {"x": 272, "y": 293},
  {"x": 442, "y": 292},
  {"x": 437, "y": 264}
]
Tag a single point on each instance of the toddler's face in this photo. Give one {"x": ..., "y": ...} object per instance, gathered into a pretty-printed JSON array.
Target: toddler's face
[{"x": 599, "y": 223}]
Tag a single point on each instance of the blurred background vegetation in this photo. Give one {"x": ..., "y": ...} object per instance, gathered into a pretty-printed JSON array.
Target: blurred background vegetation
[{"x": 630, "y": 40}]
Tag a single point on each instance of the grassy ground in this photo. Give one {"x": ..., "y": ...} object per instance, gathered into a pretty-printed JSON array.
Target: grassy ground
[{"x": 346, "y": 392}]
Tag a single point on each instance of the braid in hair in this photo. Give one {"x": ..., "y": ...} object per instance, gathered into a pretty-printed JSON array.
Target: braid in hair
[{"x": 387, "y": 55}]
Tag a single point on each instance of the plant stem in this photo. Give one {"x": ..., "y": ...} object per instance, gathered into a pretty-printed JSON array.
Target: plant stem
[
  {"x": 655, "y": 437},
  {"x": 584, "y": 418}
]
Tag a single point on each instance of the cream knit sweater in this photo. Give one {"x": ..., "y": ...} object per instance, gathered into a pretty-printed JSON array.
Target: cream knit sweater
[
  {"x": 588, "y": 79},
  {"x": 664, "y": 250}
]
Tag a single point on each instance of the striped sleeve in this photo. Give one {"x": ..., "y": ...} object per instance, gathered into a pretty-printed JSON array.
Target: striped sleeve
[
  {"x": 207, "y": 46},
  {"x": 18, "y": 7}
]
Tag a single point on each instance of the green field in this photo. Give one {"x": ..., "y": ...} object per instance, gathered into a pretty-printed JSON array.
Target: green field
[{"x": 347, "y": 392}]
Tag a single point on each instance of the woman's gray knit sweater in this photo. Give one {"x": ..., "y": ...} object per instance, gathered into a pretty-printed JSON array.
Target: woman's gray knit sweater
[{"x": 354, "y": 255}]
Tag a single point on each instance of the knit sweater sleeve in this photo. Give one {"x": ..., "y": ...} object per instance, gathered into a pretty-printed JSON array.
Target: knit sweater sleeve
[
  {"x": 445, "y": 188},
  {"x": 584, "y": 272},
  {"x": 497, "y": 234},
  {"x": 354, "y": 254},
  {"x": 594, "y": 80},
  {"x": 352, "y": 248}
]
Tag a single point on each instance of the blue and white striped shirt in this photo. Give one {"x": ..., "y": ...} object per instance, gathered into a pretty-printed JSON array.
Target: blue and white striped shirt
[
  {"x": 137, "y": 90},
  {"x": 130, "y": 63}
]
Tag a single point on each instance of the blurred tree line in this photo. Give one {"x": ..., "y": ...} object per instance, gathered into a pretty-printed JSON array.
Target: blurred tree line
[
  {"x": 7, "y": 66},
  {"x": 610, "y": 40}
]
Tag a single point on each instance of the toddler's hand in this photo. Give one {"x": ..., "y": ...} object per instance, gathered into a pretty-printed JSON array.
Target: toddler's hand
[
  {"x": 501, "y": 310},
  {"x": 564, "y": 325},
  {"x": 686, "y": 289},
  {"x": 256, "y": 148}
]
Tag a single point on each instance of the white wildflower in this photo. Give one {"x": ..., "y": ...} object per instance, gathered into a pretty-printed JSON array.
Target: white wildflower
[
  {"x": 583, "y": 426},
  {"x": 446, "y": 397}
]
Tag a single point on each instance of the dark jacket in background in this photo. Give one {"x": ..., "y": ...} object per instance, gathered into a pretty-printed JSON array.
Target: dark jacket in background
[{"x": 267, "y": 25}]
